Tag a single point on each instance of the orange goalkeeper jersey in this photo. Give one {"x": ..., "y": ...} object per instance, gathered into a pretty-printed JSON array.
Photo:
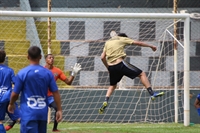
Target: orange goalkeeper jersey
[{"x": 58, "y": 74}]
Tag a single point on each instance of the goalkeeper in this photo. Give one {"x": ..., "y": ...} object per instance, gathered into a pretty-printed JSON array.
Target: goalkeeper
[
  {"x": 113, "y": 58},
  {"x": 197, "y": 104},
  {"x": 58, "y": 74}
]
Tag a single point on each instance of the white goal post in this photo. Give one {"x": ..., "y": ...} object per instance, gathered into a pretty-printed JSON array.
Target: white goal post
[{"x": 185, "y": 17}]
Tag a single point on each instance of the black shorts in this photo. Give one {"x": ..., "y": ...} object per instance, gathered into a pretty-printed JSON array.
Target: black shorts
[{"x": 122, "y": 69}]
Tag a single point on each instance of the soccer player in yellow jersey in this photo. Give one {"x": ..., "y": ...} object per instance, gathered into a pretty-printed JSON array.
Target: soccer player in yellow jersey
[{"x": 113, "y": 58}]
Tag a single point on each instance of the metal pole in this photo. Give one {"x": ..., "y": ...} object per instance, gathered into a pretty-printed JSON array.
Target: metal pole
[
  {"x": 187, "y": 72},
  {"x": 49, "y": 48},
  {"x": 92, "y": 15},
  {"x": 49, "y": 28},
  {"x": 175, "y": 66}
]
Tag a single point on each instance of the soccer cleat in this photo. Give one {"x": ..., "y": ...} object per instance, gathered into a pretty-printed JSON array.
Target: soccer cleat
[
  {"x": 156, "y": 94},
  {"x": 56, "y": 130},
  {"x": 104, "y": 105},
  {"x": 8, "y": 127}
]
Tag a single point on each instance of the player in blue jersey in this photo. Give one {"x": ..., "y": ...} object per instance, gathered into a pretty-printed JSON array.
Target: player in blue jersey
[
  {"x": 7, "y": 79},
  {"x": 197, "y": 104},
  {"x": 33, "y": 82}
]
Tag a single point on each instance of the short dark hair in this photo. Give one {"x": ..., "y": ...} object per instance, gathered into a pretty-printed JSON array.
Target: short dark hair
[
  {"x": 2, "y": 56},
  {"x": 34, "y": 52},
  {"x": 122, "y": 35},
  {"x": 47, "y": 55}
]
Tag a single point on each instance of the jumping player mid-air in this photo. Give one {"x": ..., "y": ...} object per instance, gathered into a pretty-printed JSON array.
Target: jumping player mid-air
[{"x": 113, "y": 58}]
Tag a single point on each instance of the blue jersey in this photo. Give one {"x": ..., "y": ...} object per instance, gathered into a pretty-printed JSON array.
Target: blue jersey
[
  {"x": 33, "y": 82},
  {"x": 7, "y": 78},
  {"x": 198, "y": 97}
]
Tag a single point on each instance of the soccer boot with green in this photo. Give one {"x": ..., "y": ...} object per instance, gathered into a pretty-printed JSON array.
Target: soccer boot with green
[
  {"x": 156, "y": 94},
  {"x": 104, "y": 105}
]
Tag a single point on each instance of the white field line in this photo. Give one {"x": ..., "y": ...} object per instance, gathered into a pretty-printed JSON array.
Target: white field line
[{"x": 117, "y": 127}]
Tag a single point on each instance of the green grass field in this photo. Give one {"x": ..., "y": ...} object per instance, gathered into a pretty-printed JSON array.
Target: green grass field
[{"x": 120, "y": 128}]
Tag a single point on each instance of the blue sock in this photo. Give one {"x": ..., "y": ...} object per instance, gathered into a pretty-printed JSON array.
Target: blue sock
[{"x": 2, "y": 129}]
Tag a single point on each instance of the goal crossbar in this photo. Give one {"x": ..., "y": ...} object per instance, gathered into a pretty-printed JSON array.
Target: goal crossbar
[{"x": 93, "y": 15}]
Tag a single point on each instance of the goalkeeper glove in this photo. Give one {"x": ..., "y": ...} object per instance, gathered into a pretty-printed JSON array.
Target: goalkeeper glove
[
  {"x": 75, "y": 69},
  {"x": 198, "y": 110}
]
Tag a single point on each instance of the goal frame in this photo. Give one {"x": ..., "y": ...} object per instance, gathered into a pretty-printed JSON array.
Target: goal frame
[{"x": 185, "y": 17}]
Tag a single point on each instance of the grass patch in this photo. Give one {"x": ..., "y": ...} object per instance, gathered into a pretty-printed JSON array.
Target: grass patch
[{"x": 119, "y": 128}]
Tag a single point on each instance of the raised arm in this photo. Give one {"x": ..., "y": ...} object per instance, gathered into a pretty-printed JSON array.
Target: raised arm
[
  {"x": 154, "y": 48},
  {"x": 75, "y": 69}
]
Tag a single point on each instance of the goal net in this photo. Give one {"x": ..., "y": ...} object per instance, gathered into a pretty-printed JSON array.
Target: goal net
[{"x": 79, "y": 37}]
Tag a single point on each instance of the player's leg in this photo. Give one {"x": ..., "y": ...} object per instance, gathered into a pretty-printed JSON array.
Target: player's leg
[
  {"x": 2, "y": 129},
  {"x": 42, "y": 126},
  {"x": 14, "y": 117},
  {"x": 3, "y": 108},
  {"x": 105, "y": 103},
  {"x": 55, "y": 126},
  {"x": 10, "y": 125},
  {"x": 147, "y": 85},
  {"x": 132, "y": 71},
  {"x": 115, "y": 77}
]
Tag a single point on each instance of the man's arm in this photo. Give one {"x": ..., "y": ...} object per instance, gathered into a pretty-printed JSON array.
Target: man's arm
[
  {"x": 75, "y": 69},
  {"x": 13, "y": 99},
  {"x": 57, "y": 100},
  {"x": 154, "y": 48},
  {"x": 69, "y": 80},
  {"x": 103, "y": 59}
]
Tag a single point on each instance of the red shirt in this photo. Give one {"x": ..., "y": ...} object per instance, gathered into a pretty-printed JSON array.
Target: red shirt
[{"x": 58, "y": 74}]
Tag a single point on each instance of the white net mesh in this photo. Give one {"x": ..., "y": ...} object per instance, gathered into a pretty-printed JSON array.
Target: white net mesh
[{"x": 81, "y": 40}]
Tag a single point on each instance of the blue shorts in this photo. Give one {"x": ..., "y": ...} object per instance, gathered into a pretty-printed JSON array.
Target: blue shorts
[
  {"x": 33, "y": 126},
  {"x": 16, "y": 115},
  {"x": 3, "y": 109},
  {"x": 50, "y": 100}
]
